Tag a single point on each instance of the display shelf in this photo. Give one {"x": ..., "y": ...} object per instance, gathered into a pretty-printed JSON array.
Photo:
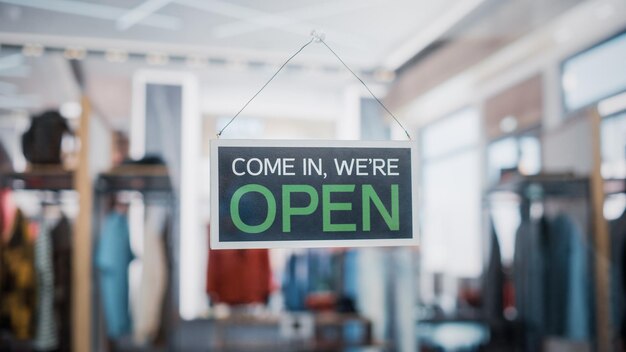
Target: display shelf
[
  {"x": 539, "y": 186},
  {"x": 135, "y": 181},
  {"x": 54, "y": 180}
]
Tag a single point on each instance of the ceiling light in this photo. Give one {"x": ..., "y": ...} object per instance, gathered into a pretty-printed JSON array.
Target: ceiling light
[
  {"x": 31, "y": 49},
  {"x": 384, "y": 75},
  {"x": 115, "y": 55},
  {"x": 75, "y": 53},
  {"x": 508, "y": 124},
  {"x": 237, "y": 65},
  {"x": 157, "y": 58},
  {"x": 196, "y": 61}
]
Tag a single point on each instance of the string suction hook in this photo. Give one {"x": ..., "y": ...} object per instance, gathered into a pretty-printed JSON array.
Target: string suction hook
[{"x": 318, "y": 36}]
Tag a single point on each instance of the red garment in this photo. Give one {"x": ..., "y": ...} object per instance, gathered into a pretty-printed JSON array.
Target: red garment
[
  {"x": 239, "y": 276},
  {"x": 7, "y": 213}
]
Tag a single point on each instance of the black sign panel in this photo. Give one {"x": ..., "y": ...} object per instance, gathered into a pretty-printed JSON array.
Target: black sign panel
[{"x": 268, "y": 194}]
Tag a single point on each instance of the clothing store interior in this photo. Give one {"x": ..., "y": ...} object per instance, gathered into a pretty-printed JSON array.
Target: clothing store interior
[{"x": 511, "y": 115}]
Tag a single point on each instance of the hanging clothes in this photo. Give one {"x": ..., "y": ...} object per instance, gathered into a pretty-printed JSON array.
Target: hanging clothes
[
  {"x": 528, "y": 281},
  {"x": 567, "y": 276},
  {"x": 239, "y": 276},
  {"x": 7, "y": 213},
  {"x": 320, "y": 265},
  {"x": 316, "y": 270},
  {"x": 552, "y": 281},
  {"x": 153, "y": 286},
  {"x": 62, "y": 258},
  {"x": 295, "y": 283},
  {"x": 351, "y": 274},
  {"x": 493, "y": 282},
  {"x": 46, "y": 338},
  {"x": 18, "y": 286},
  {"x": 113, "y": 255}
]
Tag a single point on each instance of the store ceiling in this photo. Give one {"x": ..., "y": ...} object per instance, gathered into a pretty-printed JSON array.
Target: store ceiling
[{"x": 367, "y": 33}]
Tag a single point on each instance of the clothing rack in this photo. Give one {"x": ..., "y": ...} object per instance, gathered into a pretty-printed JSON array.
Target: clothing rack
[
  {"x": 57, "y": 180},
  {"x": 539, "y": 188},
  {"x": 155, "y": 186},
  {"x": 48, "y": 182},
  {"x": 546, "y": 185},
  {"x": 145, "y": 183}
]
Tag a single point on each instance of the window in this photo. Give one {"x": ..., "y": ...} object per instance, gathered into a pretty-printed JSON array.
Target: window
[
  {"x": 613, "y": 130},
  {"x": 595, "y": 73},
  {"x": 451, "y": 191},
  {"x": 373, "y": 124},
  {"x": 521, "y": 152},
  {"x": 613, "y": 146}
]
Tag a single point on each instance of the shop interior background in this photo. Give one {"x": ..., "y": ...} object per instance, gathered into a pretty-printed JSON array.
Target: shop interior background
[{"x": 518, "y": 109}]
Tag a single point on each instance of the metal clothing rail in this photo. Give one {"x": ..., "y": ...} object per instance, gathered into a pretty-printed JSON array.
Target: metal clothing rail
[
  {"x": 107, "y": 183},
  {"x": 541, "y": 186},
  {"x": 57, "y": 180}
]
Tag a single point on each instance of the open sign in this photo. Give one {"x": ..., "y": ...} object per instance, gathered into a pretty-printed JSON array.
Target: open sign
[{"x": 269, "y": 194}]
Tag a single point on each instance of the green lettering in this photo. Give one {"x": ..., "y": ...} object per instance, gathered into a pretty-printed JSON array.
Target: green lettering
[
  {"x": 328, "y": 207},
  {"x": 288, "y": 211},
  {"x": 392, "y": 220},
  {"x": 271, "y": 208}
]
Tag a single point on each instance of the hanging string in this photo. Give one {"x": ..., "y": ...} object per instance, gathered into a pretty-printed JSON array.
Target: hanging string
[
  {"x": 265, "y": 85},
  {"x": 320, "y": 39}
]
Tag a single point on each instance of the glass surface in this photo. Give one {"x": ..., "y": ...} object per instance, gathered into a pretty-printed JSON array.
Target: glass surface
[
  {"x": 502, "y": 154},
  {"x": 530, "y": 155},
  {"x": 451, "y": 215},
  {"x": 521, "y": 152},
  {"x": 373, "y": 124},
  {"x": 595, "y": 74},
  {"x": 613, "y": 144},
  {"x": 458, "y": 131},
  {"x": 451, "y": 196}
]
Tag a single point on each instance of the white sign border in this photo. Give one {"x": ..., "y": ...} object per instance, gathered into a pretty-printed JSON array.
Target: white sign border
[{"x": 215, "y": 243}]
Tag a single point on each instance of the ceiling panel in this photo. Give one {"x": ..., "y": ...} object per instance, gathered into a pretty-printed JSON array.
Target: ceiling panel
[{"x": 363, "y": 31}]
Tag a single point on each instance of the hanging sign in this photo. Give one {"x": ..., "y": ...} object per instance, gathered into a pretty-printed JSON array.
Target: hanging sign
[{"x": 273, "y": 194}]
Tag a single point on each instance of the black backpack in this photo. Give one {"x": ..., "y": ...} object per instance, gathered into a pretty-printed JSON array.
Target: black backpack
[{"x": 41, "y": 143}]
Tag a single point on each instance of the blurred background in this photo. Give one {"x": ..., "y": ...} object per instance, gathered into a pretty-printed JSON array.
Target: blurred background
[{"x": 517, "y": 108}]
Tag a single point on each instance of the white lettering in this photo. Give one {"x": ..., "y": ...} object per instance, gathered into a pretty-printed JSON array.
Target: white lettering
[
  {"x": 344, "y": 166},
  {"x": 235, "y": 170},
  {"x": 361, "y": 164},
  {"x": 392, "y": 164},
  {"x": 379, "y": 165},
  {"x": 317, "y": 167},
  {"x": 258, "y": 161},
  {"x": 271, "y": 168},
  {"x": 288, "y": 164}
]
